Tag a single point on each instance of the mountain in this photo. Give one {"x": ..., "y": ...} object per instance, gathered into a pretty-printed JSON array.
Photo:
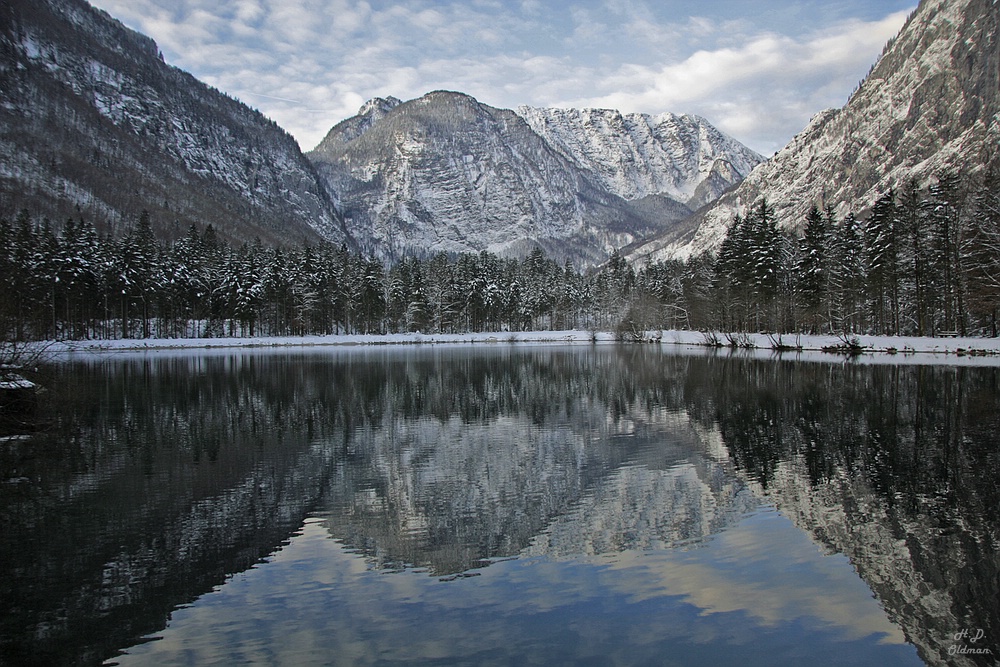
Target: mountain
[
  {"x": 93, "y": 123},
  {"x": 637, "y": 155},
  {"x": 447, "y": 173},
  {"x": 930, "y": 103}
]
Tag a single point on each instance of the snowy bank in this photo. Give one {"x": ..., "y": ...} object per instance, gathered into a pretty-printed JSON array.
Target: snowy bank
[
  {"x": 867, "y": 344},
  {"x": 131, "y": 344},
  {"x": 899, "y": 346}
]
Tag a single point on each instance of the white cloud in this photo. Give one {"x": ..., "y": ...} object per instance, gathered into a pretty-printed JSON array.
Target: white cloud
[
  {"x": 762, "y": 91},
  {"x": 329, "y": 56}
]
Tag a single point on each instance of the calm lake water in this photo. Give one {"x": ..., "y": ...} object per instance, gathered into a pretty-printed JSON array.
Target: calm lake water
[{"x": 503, "y": 505}]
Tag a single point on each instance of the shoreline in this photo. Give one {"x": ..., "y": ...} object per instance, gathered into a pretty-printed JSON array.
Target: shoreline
[{"x": 888, "y": 345}]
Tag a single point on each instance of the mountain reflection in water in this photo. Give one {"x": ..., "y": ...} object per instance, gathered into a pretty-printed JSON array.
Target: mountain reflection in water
[{"x": 159, "y": 476}]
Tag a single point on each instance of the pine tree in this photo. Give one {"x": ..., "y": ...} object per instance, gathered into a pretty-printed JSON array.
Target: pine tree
[
  {"x": 24, "y": 282},
  {"x": 766, "y": 255},
  {"x": 812, "y": 270},
  {"x": 47, "y": 264},
  {"x": 137, "y": 275},
  {"x": 537, "y": 296},
  {"x": 398, "y": 295},
  {"x": 492, "y": 290},
  {"x": 726, "y": 281},
  {"x": 8, "y": 314},
  {"x": 882, "y": 258},
  {"x": 246, "y": 285},
  {"x": 442, "y": 294},
  {"x": 178, "y": 297},
  {"x": 980, "y": 255},
  {"x": 915, "y": 258},
  {"x": 335, "y": 269},
  {"x": 945, "y": 216},
  {"x": 571, "y": 298},
  {"x": 468, "y": 273},
  {"x": 305, "y": 294},
  {"x": 84, "y": 273},
  {"x": 148, "y": 276},
  {"x": 416, "y": 317},
  {"x": 848, "y": 276},
  {"x": 696, "y": 284},
  {"x": 212, "y": 302},
  {"x": 371, "y": 297},
  {"x": 277, "y": 292}
]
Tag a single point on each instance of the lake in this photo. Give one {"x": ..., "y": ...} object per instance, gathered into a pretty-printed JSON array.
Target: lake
[{"x": 503, "y": 505}]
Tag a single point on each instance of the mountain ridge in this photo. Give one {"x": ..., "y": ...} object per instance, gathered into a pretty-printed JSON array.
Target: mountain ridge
[
  {"x": 633, "y": 155},
  {"x": 445, "y": 172},
  {"x": 930, "y": 104},
  {"x": 113, "y": 130}
]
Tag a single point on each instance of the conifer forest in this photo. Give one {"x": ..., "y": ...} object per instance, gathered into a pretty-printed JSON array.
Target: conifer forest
[{"x": 924, "y": 261}]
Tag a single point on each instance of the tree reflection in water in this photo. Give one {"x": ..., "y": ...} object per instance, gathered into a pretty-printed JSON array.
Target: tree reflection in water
[{"x": 160, "y": 475}]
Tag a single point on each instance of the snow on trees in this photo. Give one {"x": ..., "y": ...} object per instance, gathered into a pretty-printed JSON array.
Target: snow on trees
[{"x": 924, "y": 260}]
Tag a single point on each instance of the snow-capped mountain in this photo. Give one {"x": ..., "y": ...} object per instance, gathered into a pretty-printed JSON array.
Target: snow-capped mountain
[
  {"x": 93, "y": 123},
  {"x": 447, "y": 173},
  {"x": 930, "y": 103},
  {"x": 637, "y": 155}
]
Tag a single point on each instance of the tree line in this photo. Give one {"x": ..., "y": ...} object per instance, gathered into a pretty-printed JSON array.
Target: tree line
[
  {"x": 926, "y": 261},
  {"x": 73, "y": 283}
]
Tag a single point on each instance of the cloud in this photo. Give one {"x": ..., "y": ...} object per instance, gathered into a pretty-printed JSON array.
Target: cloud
[
  {"x": 308, "y": 64},
  {"x": 758, "y": 91},
  {"x": 316, "y": 597}
]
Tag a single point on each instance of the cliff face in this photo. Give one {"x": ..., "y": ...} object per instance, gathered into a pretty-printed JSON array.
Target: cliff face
[
  {"x": 447, "y": 173},
  {"x": 94, "y": 123},
  {"x": 931, "y": 103},
  {"x": 638, "y": 155}
]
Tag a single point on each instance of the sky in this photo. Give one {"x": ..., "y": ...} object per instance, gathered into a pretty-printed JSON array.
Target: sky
[{"x": 758, "y": 70}]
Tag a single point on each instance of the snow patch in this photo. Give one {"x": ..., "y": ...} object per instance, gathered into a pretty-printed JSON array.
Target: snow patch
[{"x": 874, "y": 349}]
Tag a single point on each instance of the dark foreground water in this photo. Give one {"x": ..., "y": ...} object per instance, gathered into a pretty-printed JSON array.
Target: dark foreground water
[{"x": 503, "y": 505}]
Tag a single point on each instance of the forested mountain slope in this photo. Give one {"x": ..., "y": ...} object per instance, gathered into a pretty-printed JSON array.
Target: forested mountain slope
[
  {"x": 930, "y": 104},
  {"x": 93, "y": 123}
]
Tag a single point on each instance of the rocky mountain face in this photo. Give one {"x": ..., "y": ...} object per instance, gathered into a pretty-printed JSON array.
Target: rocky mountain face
[
  {"x": 930, "y": 103},
  {"x": 638, "y": 155},
  {"x": 447, "y": 173},
  {"x": 93, "y": 123}
]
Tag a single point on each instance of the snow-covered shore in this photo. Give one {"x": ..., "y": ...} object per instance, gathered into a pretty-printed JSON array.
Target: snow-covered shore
[
  {"x": 868, "y": 344},
  {"x": 898, "y": 345},
  {"x": 562, "y": 337}
]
